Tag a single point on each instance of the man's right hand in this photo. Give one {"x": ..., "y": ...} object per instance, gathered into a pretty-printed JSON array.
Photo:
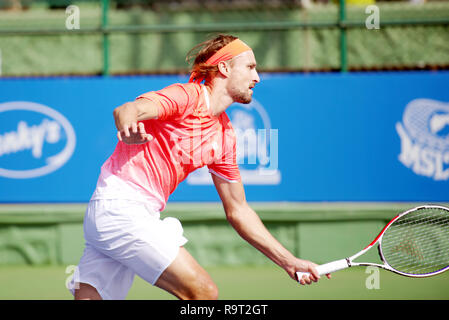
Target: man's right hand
[
  {"x": 127, "y": 117},
  {"x": 137, "y": 134}
]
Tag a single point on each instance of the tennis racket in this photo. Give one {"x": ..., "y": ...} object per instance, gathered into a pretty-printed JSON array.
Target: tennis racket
[{"x": 415, "y": 244}]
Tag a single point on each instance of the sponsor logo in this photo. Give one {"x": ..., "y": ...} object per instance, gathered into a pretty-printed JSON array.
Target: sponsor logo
[
  {"x": 424, "y": 134},
  {"x": 257, "y": 147},
  {"x": 35, "y": 140}
]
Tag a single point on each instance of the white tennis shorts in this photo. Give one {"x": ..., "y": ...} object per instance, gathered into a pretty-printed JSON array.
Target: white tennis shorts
[{"x": 124, "y": 238}]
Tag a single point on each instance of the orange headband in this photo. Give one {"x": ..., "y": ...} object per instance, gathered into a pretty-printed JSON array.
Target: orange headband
[{"x": 229, "y": 51}]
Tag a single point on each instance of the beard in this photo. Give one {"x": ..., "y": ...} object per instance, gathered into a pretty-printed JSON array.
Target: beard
[{"x": 242, "y": 97}]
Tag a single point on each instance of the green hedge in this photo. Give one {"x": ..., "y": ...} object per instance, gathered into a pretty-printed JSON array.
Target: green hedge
[
  {"x": 39, "y": 234},
  {"x": 413, "y": 46}
]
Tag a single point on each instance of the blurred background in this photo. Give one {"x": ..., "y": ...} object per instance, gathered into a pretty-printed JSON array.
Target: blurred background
[{"x": 348, "y": 127}]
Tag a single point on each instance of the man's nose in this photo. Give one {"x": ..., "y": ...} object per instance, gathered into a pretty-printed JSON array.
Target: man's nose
[{"x": 256, "y": 77}]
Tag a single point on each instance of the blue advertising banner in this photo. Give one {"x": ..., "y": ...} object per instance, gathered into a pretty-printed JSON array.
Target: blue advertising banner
[{"x": 316, "y": 137}]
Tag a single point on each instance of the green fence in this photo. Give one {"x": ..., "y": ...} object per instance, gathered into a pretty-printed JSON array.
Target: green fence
[
  {"x": 285, "y": 36},
  {"x": 40, "y": 234}
]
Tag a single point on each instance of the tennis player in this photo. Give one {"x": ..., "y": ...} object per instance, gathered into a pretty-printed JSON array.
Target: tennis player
[{"x": 163, "y": 136}]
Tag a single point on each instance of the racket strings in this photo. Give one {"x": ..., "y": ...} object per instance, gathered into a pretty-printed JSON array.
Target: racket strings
[{"x": 418, "y": 242}]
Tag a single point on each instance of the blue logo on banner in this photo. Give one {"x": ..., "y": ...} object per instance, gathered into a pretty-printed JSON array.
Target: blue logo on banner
[
  {"x": 257, "y": 147},
  {"x": 35, "y": 140},
  {"x": 424, "y": 134}
]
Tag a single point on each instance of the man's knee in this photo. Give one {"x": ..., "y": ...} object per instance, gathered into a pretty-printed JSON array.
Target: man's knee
[
  {"x": 206, "y": 290},
  {"x": 211, "y": 291},
  {"x": 86, "y": 292}
]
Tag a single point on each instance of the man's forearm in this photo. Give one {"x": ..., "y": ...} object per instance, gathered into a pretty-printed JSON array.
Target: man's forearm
[
  {"x": 251, "y": 228},
  {"x": 141, "y": 109}
]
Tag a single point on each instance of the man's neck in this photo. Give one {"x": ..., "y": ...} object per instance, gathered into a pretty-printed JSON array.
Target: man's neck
[{"x": 219, "y": 97}]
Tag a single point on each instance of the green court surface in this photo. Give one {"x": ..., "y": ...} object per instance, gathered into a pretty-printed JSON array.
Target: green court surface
[{"x": 240, "y": 283}]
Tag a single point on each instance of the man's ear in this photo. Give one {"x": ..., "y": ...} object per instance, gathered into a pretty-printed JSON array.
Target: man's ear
[{"x": 224, "y": 68}]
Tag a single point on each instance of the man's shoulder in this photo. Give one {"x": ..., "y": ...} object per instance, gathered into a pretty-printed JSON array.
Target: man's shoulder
[{"x": 189, "y": 88}]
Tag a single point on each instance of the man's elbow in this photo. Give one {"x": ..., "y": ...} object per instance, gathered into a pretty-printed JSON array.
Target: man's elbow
[
  {"x": 116, "y": 111},
  {"x": 231, "y": 215},
  {"x": 126, "y": 105},
  {"x": 235, "y": 212}
]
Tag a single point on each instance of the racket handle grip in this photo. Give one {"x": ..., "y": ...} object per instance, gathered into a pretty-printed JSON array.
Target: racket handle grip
[{"x": 327, "y": 268}]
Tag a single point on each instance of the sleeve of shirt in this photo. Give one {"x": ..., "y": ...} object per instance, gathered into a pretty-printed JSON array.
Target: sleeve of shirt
[
  {"x": 226, "y": 165},
  {"x": 172, "y": 101}
]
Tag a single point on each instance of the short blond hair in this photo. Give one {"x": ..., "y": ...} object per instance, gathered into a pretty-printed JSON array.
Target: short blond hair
[{"x": 203, "y": 51}]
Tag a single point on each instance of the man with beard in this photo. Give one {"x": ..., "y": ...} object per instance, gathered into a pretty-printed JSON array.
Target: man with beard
[{"x": 163, "y": 136}]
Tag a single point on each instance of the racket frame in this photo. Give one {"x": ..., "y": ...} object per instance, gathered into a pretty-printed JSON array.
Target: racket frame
[{"x": 349, "y": 262}]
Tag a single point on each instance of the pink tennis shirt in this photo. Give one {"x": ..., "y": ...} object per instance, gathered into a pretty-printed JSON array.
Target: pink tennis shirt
[{"x": 187, "y": 136}]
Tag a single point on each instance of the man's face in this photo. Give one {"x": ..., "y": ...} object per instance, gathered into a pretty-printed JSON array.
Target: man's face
[{"x": 243, "y": 77}]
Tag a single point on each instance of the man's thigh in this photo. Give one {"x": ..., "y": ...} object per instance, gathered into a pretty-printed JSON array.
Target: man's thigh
[{"x": 186, "y": 279}]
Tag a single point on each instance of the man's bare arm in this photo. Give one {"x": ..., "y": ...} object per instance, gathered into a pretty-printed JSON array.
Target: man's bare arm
[
  {"x": 249, "y": 226},
  {"x": 127, "y": 117}
]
